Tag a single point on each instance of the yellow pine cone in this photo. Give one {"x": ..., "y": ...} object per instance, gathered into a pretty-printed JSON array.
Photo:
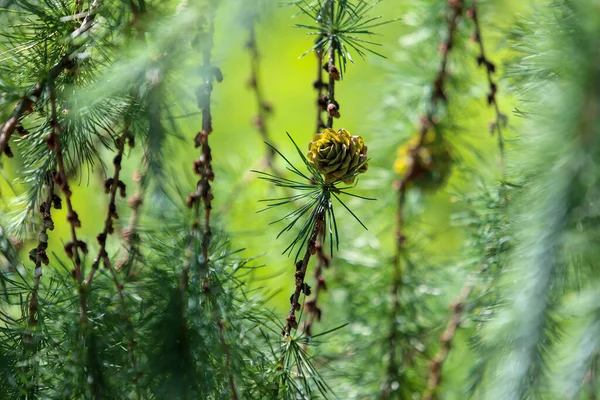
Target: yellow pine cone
[
  {"x": 433, "y": 161},
  {"x": 337, "y": 155}
]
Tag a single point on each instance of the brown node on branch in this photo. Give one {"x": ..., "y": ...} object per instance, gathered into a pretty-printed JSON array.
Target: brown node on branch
[
  {"x": 73, "y": 218},
  {"x": 334, "y": 73},
  {"x": 333, "y": 110}
]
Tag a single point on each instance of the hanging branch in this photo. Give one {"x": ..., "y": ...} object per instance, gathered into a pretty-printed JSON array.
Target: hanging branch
[
  {"x": 427, "y": 122},
  {"x": 319, "y": 85},
  {"x": 203, "y": 165},
  {"x": 38, "y": 255},
  {"x": 334, "y": 75},
  {"x": 111, "y": 186},
  {"x": 130, "y": 233},
  {"x": 457, "y": 308},
  {"x": 311, "y": 305},
  {"x": 73, "y": 247},
  {"x": 254, "y": 82},
  {"x": 26, "y": 105},
  {"x": 458, "y": 305},
  {"x": 301, "y": 268},
  {"x": 482, "y": 60},
  {"x": 203, "y": 194}
]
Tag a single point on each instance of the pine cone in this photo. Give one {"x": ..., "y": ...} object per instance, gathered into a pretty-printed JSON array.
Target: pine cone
[
  {"x": 337, "y": 155},
  {"x": 433, "y": 161}
]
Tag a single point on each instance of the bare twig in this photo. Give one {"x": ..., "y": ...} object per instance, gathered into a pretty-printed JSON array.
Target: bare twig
[
  {"x": 459, "y": 303},
  {"x": 300, "y": 275},
  {"x": 111, "y": 186},
  {"x": 311, "y": 305},
  {"x": 75, "y": 246},
  {"x": 264, "y": 107},
  {"x": 319, "y": 85},
  {"x": 500, "y": 120},
  {"x": 457, "y": 307},
  {"x": 428, "y": 121},
  {"x": 38, "y": 255}
]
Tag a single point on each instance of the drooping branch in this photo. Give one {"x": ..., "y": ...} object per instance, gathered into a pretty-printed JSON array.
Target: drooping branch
[
  {"x": 428, "y": 121},
  {"x": 311, "y": 305},
  {"x": 38, "y": 255},
  {"x": 458, "y": 305},
  {"x": 75, "y": 247},
  {"x": 254, "y": 82},
  {"x": 483, "y": 60},
  {"x": 111, "y": 186},
  {"x": 300, "y": 275}
]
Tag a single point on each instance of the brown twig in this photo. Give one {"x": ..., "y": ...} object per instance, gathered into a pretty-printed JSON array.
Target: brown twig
[
  {"x": 500, "y": 120},
  {"x": 203, "y": 194},
  {"x": 457, "y": 307},
  {"x": 38, "y": 255},
  {"x": 111, "y": 186},
  {"x": 300, "y": 275},
  {"x": 130, "y": 232},
  {"x": 459, "y": 303},
  {"x": 264, "y": 107},
  {"x": 427, "y": 122},
  {"x": 311, "y": 305},
  {"x": 334, "y": 75},
  {"x": 203, "y": 165},
  {"x": 25, "y": 106},
  {"x": 319, "y": 85},
  {"x": 73, "y": 247}
]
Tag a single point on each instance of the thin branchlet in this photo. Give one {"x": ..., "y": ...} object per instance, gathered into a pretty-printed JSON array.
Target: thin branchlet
[
  {"x": 38, "y": 254},
  {"x": 331, "y": 106},
  {"x": 203, "y": 195},
  {"x": 438, "y": 95},
  {"x": 483, "y": 60},
  {"x": 458, "y": 304},
  {"x": 300, "y": 275},
  {"x": 263, "y": 106},
  {"x": 319, "y": 85},
  {"x": 112, "y": 186},
  {"x": 311, "y": 305},
  {"x": 75, "y": 246}
]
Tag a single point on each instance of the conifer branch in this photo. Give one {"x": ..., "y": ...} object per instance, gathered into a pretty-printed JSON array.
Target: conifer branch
[
  {"x": 203, "y": 194},
  {"x": 457, "y": 308},
  {"x": 332, "y": 105},
  {"x": 38, "y": 255},
  {"x": 73, "y": 247},
  {"x": 300, "y": 275},
  {"x": 111, "y": 186},
  {"x": 130, "y": 233},
  {"x": 26, "y": 105},
  {"x": 458, "y": 305},
  {"x": 264, "y": 107},
  {"x": 319, "y": 85},
  {"x": 427, "y": 122},
  {"x": 203, "y": 166},
  {"x": 482, "y": 60},
  {"x": 311, "y": 305}
]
